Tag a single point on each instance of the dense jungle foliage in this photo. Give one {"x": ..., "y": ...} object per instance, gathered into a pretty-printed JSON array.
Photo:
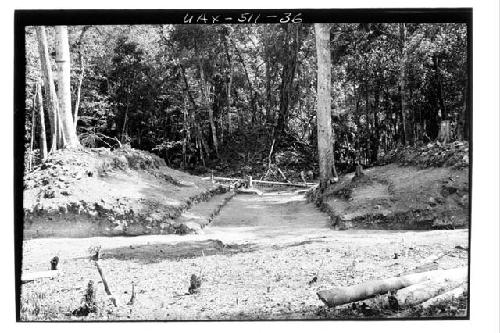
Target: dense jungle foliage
[{"x": 242, "y": 98}]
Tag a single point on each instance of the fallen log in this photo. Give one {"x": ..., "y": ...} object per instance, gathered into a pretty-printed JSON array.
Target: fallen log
[
  {"x": 32, "y": 276},
  {"x": 343, "y": 295},
  {"x": 445, "y": 297},
  {"x": 264, "y": 182},
  {"x": 421, "y": 292}
]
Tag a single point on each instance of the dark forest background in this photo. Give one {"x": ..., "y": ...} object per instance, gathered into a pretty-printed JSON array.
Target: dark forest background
[{"x": 240, "y": 98}]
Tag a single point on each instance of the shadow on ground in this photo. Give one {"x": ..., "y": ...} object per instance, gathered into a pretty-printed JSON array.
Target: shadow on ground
[{"x": 154, "y": 253}]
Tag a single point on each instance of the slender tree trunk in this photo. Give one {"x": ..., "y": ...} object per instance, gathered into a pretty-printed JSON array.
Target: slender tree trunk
[
  {"x": 444, "y": 125},
  {"x": 269, "y": 96},
  {"x": 252, "y": 92},
  {"x": 78, "y": 93},
  {"x": 64, "y": 86},
  {"x": 124, "y": 126},
  {"x": 323, "y": 110},
  {"x": 213, "y": 130},
  {"x": 375, "y": 142},
  {"x": 411, "y": 119},
  {"x": 442, "y": 106},
  {"x": 402, "y": 81},
  {"x": 206, "y": 104},
  {"x": 466, "y": 113},
  {"x": 184, "y": 133},
  {"x": 188, "y": 116},
  {"x": 289, "y": 67},
  {"x": 32, "y": 138},
  {"x": 368, "y": 120},
  {"x": 186, "y": 87},
  {"x": 80, "y": 77},
  {"x": 50, "y": 90},
  {"x": 228, "y": 84},
  {"x": 41, "y": 119}
]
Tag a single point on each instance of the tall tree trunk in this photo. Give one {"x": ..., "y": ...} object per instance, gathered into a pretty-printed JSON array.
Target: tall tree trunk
[
  {"x": 444, "y": 125},
  {"x": 375, "y": 142},
  {"x": 32, "y": 137},
  {"x": 228, "y": 83},
  {"x": 41, "y": 119},
  {"x": 269, "y": 99},
  {"x": 185, "y": 133},
  {"x": 50, "y": 90},
  {"x": 411, "y": 119},
  {"x": 323, "y": 109},
  {"x": 123, "y": 135},
  {"x": 64, "y": 86},
  {"x": 205, "y": 102},
  {"x": 367, "y": 122},
  {"x": 289, "y": 67},
  {"x": 80, "y": 77},
  {"x": 78, "y": 92},
  {"x": 253, "y": 93},
  {"x": 442, "y": 106},
  {"x": 466, "y": 113},
  {"x": 402, "y": 81}
]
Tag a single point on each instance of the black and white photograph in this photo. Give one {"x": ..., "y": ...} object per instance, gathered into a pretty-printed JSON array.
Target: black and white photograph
[{"x": 243, "y": 165}]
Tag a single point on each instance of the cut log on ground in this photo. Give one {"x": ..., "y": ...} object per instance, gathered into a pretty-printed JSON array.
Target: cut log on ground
[
  {"x": 344, "y": 295},
  {"x": 446, "y": 297},
  {"x": 32, "y": 276},
  {"x": 421, "y": 292}
]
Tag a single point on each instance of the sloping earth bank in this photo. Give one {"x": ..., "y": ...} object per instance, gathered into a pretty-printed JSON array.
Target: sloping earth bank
[
  {"x": 394, "y": 197},
  {"x": 89, "y": 192},
  {"x": 420, "y": 188}
]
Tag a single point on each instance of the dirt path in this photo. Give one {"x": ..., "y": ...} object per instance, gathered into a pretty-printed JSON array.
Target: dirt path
[
  {"x": 271, "y": 218},
  {"x": 257, "y": 260}
]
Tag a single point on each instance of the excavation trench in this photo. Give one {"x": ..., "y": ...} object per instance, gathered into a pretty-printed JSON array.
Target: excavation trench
[
  {"x": 233, "y": 224},
  {"x": 262, "y": 256},
  {"x": 242, "y": 223}
]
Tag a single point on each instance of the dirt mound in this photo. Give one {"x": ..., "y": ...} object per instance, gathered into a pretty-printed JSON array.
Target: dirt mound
[
  {"x": 103, "y": 192},
  {"x": 395, "y": 197},
  {"x": 434, "y": 154}
]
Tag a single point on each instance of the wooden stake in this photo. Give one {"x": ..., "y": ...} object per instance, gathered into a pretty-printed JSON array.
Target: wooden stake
[
  {"x": 105, "y": 283},
  {"x": 132, "y": 298},
  {"x": 249, "y": 182}
]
